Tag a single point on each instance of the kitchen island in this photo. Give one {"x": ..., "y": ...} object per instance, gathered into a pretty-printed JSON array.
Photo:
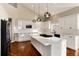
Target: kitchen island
[{"x": 49, "y": 46}]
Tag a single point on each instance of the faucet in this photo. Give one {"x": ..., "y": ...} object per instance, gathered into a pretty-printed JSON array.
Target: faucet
[{"x": 53, "y": 32}]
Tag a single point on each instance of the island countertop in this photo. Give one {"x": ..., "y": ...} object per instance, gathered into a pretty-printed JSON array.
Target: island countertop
[{"x": 46, "y": 40}]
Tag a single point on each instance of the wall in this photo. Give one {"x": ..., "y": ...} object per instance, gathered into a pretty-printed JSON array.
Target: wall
[
  {"x": 43, "y": 27},
  {"x": 3, "y": 13}
]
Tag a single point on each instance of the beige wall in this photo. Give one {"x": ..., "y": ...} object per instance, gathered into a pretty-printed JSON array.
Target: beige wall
[{"x": 9, "y": 10}]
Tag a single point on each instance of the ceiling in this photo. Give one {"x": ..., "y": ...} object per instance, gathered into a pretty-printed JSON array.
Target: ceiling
[{"x": 53, "y": 8}]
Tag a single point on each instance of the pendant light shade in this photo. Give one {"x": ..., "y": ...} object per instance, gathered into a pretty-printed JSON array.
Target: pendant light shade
[
  {"x": 47, "y": 15},
  {"x": 38, "y": 19},
  {"x": 41, "y": 18}
]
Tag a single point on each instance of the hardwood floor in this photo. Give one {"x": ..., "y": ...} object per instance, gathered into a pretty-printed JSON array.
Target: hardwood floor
[
  {"x": 27, "y": 49},
  {"x": 23, "y": 49},
  {"x": 70, "y": 52}
]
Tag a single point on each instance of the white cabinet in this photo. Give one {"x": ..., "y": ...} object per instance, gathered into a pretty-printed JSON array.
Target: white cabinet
[
  {"x": 69, "y": 24},
  {"x": 20, "y": 32},
  {"x": 72, "y": 41},
  {"x": 24, "y": 37},
  {"x": 21, "y": 37}
]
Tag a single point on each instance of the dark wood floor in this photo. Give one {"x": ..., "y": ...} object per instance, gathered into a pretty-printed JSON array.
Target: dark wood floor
[
  {"x": 27, "y": 49},
  {"x": 23, "y": 49}
]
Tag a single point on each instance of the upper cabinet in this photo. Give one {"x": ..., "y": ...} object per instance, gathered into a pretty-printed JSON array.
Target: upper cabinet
[{"x": 69, "y": 24}]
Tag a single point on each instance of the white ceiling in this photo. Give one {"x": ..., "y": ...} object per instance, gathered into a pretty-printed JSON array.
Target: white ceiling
[{"x": 53, "y": 8}]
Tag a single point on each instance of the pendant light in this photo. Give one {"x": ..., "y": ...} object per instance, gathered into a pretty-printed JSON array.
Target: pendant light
[
  {"x": 47, "y": 15},
  {"x": 34, "y": 20},
  {"x": 39, "y": 19}
]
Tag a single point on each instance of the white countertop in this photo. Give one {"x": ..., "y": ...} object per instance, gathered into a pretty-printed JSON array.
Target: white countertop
[{"x": 46, "y": 41}]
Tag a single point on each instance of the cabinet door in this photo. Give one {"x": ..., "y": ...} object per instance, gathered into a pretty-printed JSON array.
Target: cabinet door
[
  {"x": 68, "y": 24},
  {"x": 70, "y": 40},
  {"x": 24, "y": 37}
]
